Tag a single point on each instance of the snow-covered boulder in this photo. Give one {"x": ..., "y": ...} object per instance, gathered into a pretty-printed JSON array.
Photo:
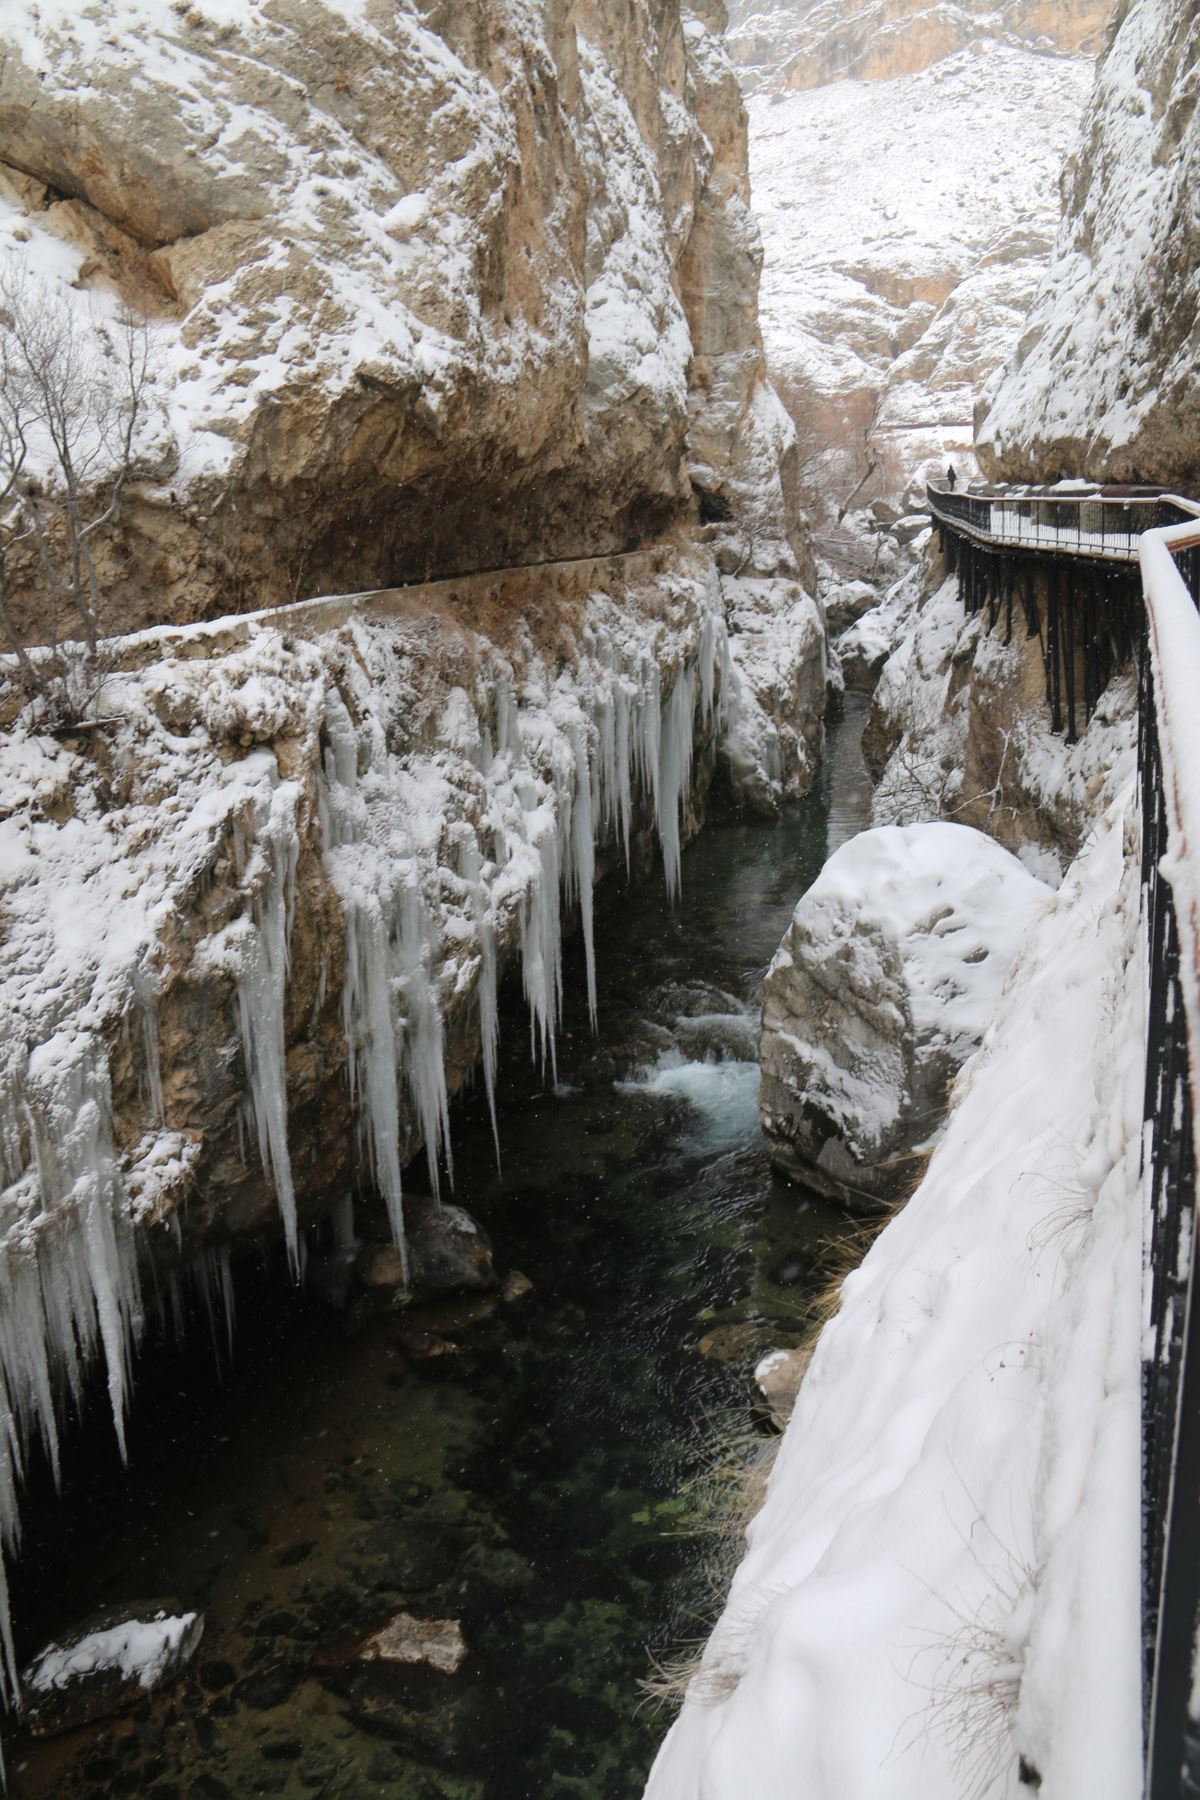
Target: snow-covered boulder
[
  {"x": 110, "y": 1661},
  {"x": 885, "y": 982}
]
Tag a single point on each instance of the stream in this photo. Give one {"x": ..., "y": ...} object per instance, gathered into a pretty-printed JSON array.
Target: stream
[{"x": 542, "y": 1481}]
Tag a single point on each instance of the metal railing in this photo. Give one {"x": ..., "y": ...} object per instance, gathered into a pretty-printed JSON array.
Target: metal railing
[
  {"x": 1100, "y": 524},
  {"x": 1170, "y": 686}
]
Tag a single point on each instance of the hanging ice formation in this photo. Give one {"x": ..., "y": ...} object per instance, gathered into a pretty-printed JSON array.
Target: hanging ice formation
[
  {"x": 69, "y": 1284},
  {"x": 561, "y": 768},
  {"x": 434, "y": 893},
  {"x": 262, "y": 963}
]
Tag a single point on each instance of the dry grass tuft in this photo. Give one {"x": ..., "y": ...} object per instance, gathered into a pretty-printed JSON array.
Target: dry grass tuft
[
  {"x": 720, "y": 1502},
  {"x": 977, "y": 1668}
]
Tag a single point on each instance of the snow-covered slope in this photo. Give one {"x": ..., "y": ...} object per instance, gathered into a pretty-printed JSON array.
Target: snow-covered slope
[
  {"x": 941, "y": 1594},
  {"x": 906, "y": 220},
  {"x": 1105, "y": 381}
]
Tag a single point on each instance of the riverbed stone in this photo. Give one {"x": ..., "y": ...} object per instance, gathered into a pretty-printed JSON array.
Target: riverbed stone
[
  {"x": 449, "y": 1252},
  {"x": 778, "y": 1378},
  {"x": 109, "y": 1661},
  {"x": 434, "y": 1643},
  {"x": 517, "y": 1287}
]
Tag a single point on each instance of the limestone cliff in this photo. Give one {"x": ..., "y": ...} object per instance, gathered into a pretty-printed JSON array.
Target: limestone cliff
[
  {"x": 1105, "y": 380},
  {"x": 960, "y": 728},
  {"x": 422, "y": 278},
  {"x": 905, "y": 161}
]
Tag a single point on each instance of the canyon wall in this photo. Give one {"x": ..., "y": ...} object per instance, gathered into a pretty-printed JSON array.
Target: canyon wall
[
  {"x": 426, "y": 295},
  {"x": 1105, "y": 379},
  {"x": 424, "y": 286},
  {"x": 905, "y": 161}
]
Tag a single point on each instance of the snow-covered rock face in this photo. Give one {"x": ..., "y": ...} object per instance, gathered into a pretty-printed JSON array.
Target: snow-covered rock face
[
  {"x": 886, "y": 980},
  {"x": 908, "y": 205},
  {"x": 777, "y": 692},
  {"x": 960, "y": 728},
  {"x": 426, "y": 285},
  {"x": 1105, "y": 381}
]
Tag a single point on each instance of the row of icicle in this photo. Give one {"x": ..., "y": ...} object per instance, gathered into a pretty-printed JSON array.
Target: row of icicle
[{"x": 70, "y": 1286}]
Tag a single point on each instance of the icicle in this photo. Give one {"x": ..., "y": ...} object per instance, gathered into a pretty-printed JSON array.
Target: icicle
[
  {"x": 262, "y": 997},
  {"x": 489, "y": 1017},
  {"x": 541, "y": 947},
  {"x": 508, "y": 736},
  {"x": 624, "y": 767},
  {"x": 675, "y": 774},
  {"x": 371, "y": 1045},
  {"x": 584, "y": 854},
  {"x": 424, "y": 1063},
  {"x": 146, "y": 1001},
  {"x": 69, "y": 1280},
  {"x": 647, "y": 734}
]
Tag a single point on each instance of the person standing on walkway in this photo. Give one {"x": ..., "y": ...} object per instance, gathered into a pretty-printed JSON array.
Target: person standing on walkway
[{"x": 951, "y": 478}]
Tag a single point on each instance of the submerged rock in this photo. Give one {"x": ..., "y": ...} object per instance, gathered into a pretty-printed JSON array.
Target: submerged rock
[
  {"x": 884, "y": 984},
  {"x": 436, "y": 1643},
  {"x": 381, "y": 1266},
  {"x": 516, "y": 1287},
  {"x": 109, "y": 1661},
  {"x": 448, "y": 1251}
]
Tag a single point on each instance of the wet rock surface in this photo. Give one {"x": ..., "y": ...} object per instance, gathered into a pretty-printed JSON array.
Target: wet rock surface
[
  {"x": 435, "y": 1643},
  {"x": 449, "y": 1251}
]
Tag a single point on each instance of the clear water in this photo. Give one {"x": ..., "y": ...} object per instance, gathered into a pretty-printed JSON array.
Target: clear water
[{"x": 534, "y": 1484}]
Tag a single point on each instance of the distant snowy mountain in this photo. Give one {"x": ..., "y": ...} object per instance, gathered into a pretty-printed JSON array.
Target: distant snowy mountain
[
  {"x": 906, "y": 220},
  {"x": 809, "y": 42}
]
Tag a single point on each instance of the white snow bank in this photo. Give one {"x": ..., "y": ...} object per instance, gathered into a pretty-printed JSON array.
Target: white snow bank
[{"x": 946, "y": 1569}]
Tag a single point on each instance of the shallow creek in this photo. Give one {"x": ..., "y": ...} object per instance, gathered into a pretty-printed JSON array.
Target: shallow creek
[{"x": 536, "y": 1486}]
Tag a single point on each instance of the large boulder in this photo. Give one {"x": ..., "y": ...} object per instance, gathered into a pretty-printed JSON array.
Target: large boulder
[{"x": 884, "y": 984}]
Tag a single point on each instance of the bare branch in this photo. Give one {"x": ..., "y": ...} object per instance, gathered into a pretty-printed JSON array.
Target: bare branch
[{"x": 73, "y": 397}]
